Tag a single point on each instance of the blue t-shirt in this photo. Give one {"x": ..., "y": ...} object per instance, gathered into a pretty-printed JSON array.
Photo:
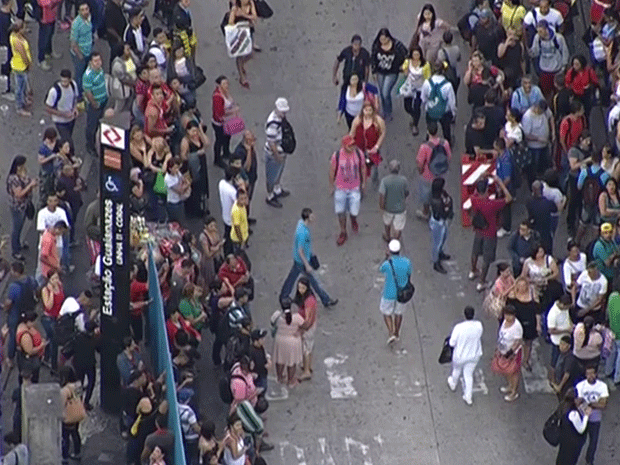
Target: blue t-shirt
[
  {"x": 48, "y": 167},
  {"x": 302, "y": 239},
  {"x": 504, "y": 169},
  {"x": 14, "y": 294},
  {"x": 402, "y": 268}
]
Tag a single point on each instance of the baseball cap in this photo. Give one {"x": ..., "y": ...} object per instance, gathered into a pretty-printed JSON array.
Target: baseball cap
[
  {"x": 282, "y": 104},
  {"x": 258, "y": 334},
  {"x": 348, "y": 140},
  {"x": 394, "y": 246},
  {"x": 607, "y": 227}
]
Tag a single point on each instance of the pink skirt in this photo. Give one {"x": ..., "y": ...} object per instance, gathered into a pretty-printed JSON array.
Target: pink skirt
[{"x": 287, "y": 350}]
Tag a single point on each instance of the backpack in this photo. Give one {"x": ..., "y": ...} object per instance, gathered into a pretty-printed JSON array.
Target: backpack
[
  {"x": 224, "y": 388},
  {"x": 478, "y": 221},
  {"x": 359, "y": 157},
  {"x": 437, "y": 103},
  {"x": 592, "y": 187},
  {"x": 56, "y": 87},
  {"x": 288, "y": 143},
  {"x": 521, "y": 158},
  {"x": 438, "y": 163},
  {"x": 65, "y": 327},
  {"x": 234, "y": 350},
  {"x": 27, "y": 298},
  {"x": 589, "y": 250},
  {"x": 552, "y": 430}
]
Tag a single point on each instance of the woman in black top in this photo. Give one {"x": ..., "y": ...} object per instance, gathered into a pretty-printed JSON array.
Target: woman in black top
[
  {"x": 441, "y": 212},
  {"x": 573, "y": 423},
  {"x": 388, "y": 55},
  {"x": 525, "y": 301}
]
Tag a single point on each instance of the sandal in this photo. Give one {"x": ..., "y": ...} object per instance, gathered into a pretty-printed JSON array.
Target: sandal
[
  {"x": 293, "y": 383},
  {"x": 342, "y": 238},
  {"x": 244, "y": 83},
  {"x": 305, "y": 377}
]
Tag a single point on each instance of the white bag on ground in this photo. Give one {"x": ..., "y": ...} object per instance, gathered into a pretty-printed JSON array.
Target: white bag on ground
[{"x": 238, "y": 39}]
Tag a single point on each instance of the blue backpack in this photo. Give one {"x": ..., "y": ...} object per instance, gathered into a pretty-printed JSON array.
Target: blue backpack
[{"x": 437, "y": 103}]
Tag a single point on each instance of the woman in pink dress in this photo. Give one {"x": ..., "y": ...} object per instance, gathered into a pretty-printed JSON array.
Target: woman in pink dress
[
  {"x": 287, "y": 348},
  {"x": 306, "y": 301}
]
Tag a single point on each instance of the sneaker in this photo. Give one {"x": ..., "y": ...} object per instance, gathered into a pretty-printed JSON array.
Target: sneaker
[
  {"x": 282, "y": 193},
  {"x": 502, "y": 232},
  {"x": 438, "y": 267},
  {"x": 266, "y": 446},
  {"x": 472, "y": 275},
  {"x": 481, "y": 287},
  {"x": 25, "y": 245},
  {"x": 75, "y": 456},
  {"x": 45, "y": 66},
  {"x": 22, "y": 112},
  {"x": 274, "y": 202},
  {"x": 342, "y": 238},
  {"x": 421, "y": 215},
  {"x": 56, "y": 55},
  {"x": 415, "y": 131},
  {"x": 391, "y": 339},
  {"x": 511, "y": 397},
  {"x": 451, "y": 384},
  {"x": 8, "y": 96},
  {"x": 331, "y": 303},
  {"x": 354, "y": 225},
  {"x": 19, "y": 256},
  {"x": 444, "y": 256},
  {"x": 468, "y": 401},
  {"x": 251, "y": 220},
  {"x": 88, "y": 407},
  {"x": 504, "y": 389}
]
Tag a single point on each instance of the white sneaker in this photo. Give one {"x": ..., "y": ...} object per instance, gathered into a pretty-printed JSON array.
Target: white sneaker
[
  {"x": 451, "y": 384},
  {"x": 502, "y": 232},
  {"x": 471, "y": 276},
  {"x": 468, "y": 401},
  {"x": 481, "y": 287},
  {"x": 8, "y": 96}
]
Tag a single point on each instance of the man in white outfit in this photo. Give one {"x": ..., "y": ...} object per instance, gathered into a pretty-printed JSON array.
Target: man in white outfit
[{"x": 466, "y": 342}]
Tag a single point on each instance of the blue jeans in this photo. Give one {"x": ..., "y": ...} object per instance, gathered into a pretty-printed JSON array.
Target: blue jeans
[
  {"x": 46, "y": 32},
  {"x": 593, "y": 429},
  {"x": 19, "y": 218},
  {"x": 51, "y": 350},
  {"x": 612, "y": 364},
  {"x": 439, "y": 234},
  {"x": 386, "y": 84},
  {"x": 65, "y": 130},
  {"x": 21, "y": 86},
  {"x": 540, "y": 158},
  {"x": 176, "y": 212},
  {"x": 93, "y": 115},
  {"x": 12, "y": 321},
  {"x": 273, "y": 171},
  {"x": 79, "y": 66},
  {"x": 289, "y": 282}
]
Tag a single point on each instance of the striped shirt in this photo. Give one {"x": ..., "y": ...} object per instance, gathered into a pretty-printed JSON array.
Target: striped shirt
[
  {"x": 187, "y": 418},
  {"x": 273, "y": 132},
  {"x": 94, "y": 82},
  {"x": 82, "y": 35}
]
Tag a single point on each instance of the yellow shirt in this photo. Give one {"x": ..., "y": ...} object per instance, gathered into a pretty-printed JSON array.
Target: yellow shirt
[
  {"x": 512, "y": 16},
  {"x": 239, "y": 217},
  {"x": 17, "y": 62}
]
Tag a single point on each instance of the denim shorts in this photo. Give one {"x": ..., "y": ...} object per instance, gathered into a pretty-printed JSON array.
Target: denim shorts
[{"x": 347, "y": 200}]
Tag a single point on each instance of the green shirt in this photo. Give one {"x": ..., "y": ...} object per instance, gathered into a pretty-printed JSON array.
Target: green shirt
[
  {"x": 94, "y": 82},
  {"x": 188, "y": 310},
  {"x": 602, "y": 251},
  {"x": 393, "y": 187},
  {"x": 613, "y": 310},
  {"x": 82, "y": 35}
]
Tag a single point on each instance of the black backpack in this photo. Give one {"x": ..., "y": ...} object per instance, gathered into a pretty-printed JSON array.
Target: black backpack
[
  {"x": 288, "y": 143},
  {"x": 592, "y": 187},
  {"x": 224, "y": 388},
  {"x": 438, "y": 163},
  {"x": 57, "y": 88},
  {"x": 234, "y": 350},
  {"x": 450, "y": 72},
  {"x": 65, "y": 327},
  {"x": 27, "y": 295}
]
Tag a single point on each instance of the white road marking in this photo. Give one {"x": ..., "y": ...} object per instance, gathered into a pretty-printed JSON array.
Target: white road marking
[
  {"x": 479, "y": 383},
  {"x": 538, "y": 379},
  {"x": 326, "y": 458},
  {"x": 298, "y": 452},
  {"x": 341, "y": 384},
  {"x": 275, "y": 390},
  {"x": 363, "y": 448}
]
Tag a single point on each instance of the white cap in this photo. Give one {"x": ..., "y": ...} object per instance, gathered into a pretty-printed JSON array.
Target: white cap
[
  {"x": 282, "y": 105},
  {"x": 394, "y": 246}
]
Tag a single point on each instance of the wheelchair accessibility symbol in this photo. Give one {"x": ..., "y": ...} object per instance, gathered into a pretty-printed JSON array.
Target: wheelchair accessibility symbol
[{"x": 111, "y": 185}]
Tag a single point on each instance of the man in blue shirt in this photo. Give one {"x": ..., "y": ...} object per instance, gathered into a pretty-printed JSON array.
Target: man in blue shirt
[
  {"x": 397, "y": 271},
  {"x": 20, "y": 298},
  {"x": 302, "y": 257}
]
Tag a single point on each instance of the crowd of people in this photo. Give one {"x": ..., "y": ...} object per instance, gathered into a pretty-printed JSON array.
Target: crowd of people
[{"x": 532, "y": 97}]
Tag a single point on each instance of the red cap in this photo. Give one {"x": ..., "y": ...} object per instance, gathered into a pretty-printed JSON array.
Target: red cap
[{"x": 348, "y": 141}]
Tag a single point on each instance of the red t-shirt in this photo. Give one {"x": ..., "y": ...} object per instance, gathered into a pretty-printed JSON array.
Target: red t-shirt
[
  {"x": 49, "y": 250},
  {"x": 235, "y": 274},
  {"x": 489, "y": 209},
  {"x": 172, "y": 329},
  {"x": 570, "y": 130},
  {"x": 142, "y": 88},
  {"x": 167, "y": 93},
  {"x": 137, "y": 293},
  {"x": 57, "y": 301},
  {"x": 424, "y": 155},
  {"x": 577, "y": 81}
]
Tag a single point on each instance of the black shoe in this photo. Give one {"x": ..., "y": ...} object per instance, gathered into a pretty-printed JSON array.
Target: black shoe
[
  {"x": 252, "y": 220},
  {"x": 19, "y": 256},
  {"x": 88, "y": 407},
  {"x": 439, "y": 268},
  {"x": 283, "y": 193},
  {"x": 250, "y": 232},
  {"x": 265, "y": 446},
  {"x": 25, "y": 246},
  {"x": 444, "y": 256},
  {"x": 274, "y": 202},
  {"x": 331, "y": 303}
]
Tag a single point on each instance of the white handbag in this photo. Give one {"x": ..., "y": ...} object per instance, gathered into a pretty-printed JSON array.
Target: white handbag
[{"x": 238, "y": 39}]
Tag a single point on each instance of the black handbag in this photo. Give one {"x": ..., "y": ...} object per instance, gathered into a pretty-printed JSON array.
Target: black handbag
[
  {"x": 314, "y": 262},
  {"x": 29, "y": 210},
  {"x": 478, "y": 221},
  {"x": 403, "y": 294},
  {"x": 446, "y": 352},
  {"x": 263, "y": 10},
  {"x": 552, "y": 429}
]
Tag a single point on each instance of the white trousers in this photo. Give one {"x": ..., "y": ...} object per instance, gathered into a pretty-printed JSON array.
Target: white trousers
[{"x": 467, "y": 368}]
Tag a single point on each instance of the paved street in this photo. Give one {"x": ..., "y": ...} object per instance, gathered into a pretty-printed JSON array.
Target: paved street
[{"x": 367, "y": 404}]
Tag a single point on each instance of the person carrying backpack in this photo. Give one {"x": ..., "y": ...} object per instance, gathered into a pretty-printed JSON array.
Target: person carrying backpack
[
  {"x": 591, "y": 182},
  {"x": 433, "y": 160},
  {"x": 21, "y": 297},
  {"x": 439, "y": 100},
  {"x": 61, "y": 103},
  {"x": 550, "y": 55}
]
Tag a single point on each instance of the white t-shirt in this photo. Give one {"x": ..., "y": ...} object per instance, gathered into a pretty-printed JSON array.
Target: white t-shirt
[
  {"x": 466, "y": 341},
  {"x": 554, "y": 194},
  {"x": 67, "y": 100},
  {"x": 590, "y": 290},
  {"x": 553, "y": 18},
  {"x": 592, "y": 393},
  {"x": 172, "y": 181},
  {"x": 228, "y": 195},
  {"x": 560, "y": 320},
  {"x": 513, "y": 132},
  {"x": 508, "y": 336},
  {"x": 273, "y": 132},
  {"x": 71, "y": 305},
  {"x": 158, "y": 53},
  {"x": 47, "y": 219},
  {"x": 571, "y": 268}
]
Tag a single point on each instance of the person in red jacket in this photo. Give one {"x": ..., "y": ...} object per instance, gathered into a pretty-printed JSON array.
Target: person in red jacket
[
  {"x": 176, "y": 323},
  {"x": 582, "y": 81},
  {"x": 46, "y": 32}
]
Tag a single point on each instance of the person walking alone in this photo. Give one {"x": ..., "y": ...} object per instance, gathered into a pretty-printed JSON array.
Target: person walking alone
[
  {"x": 441, "y": 212},
  {"x": 466, "y": 342},
  {"x": 276, "y": 151},
  {"x": 397, "y": 271},
  {"x": 393, "y": 193},
  {"x": 302, "y": 259}
]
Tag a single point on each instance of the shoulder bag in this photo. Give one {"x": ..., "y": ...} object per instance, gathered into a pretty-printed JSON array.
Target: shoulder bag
[
  {"x": 404, "y": 294},
  {"x": 552, "y": 429},
  {"x": 446, "y": 352}
]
